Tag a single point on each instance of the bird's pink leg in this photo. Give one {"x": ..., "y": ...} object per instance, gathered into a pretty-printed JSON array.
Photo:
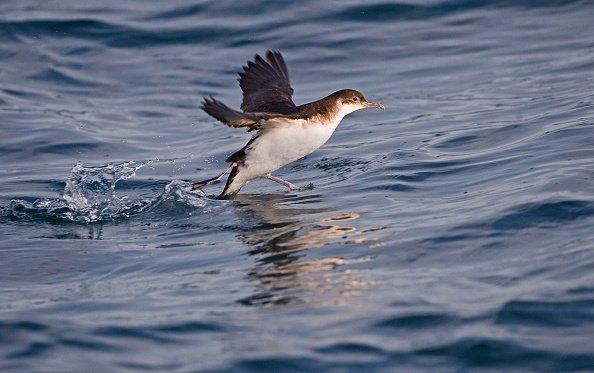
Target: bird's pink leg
[{"x": 289, "y": 185}]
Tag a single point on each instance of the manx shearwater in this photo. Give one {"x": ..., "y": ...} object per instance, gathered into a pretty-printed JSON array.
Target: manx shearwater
[{"x": 285, "y": 131}]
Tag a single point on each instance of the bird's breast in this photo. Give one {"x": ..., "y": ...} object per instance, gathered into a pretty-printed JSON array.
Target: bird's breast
[{"x": 282, "y": 144}]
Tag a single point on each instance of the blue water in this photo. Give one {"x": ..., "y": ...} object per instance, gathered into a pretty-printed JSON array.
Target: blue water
[{"x": 452, "y": 231}]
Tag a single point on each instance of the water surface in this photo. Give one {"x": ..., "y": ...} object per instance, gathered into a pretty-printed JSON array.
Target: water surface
[{"x": 452, "y": 231}]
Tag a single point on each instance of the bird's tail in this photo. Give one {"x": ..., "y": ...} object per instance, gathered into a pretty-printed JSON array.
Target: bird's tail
[
  {"x": 230, "y": 117},
  {"x": 234, "y": 183}
]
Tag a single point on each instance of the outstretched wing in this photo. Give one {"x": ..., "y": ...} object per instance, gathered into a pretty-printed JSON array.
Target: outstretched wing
[
  {"x": 233, "y": 118},
  {"x": 265, "y": 85}
]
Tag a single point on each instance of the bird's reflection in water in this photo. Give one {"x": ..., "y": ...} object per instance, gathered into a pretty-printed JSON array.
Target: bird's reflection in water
[{"x": 287, "y": 271}]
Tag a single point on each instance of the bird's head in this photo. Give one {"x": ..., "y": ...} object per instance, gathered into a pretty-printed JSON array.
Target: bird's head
[{"x": 351, "y": 100}]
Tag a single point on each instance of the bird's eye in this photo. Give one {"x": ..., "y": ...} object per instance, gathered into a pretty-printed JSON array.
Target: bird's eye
[{"x": 355, "y": 99}]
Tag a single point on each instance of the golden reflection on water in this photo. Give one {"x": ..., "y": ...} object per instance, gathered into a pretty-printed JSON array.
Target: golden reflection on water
[{"x": 287, "y": 269}]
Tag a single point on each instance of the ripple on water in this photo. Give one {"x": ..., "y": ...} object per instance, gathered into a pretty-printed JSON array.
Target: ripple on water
[
  {"x": 418, "y": 321},
  {"x": 494, "y": 353},
  {"x": 544, "y": 214},
  {"x": 571, "y": 313}
]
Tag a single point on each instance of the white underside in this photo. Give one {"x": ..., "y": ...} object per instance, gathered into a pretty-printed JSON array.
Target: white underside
[{"x": 282, "y": 141}]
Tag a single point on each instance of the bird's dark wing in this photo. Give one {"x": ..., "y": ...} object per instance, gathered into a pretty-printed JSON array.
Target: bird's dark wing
[
  {"x": 233, "y": 118},
  {"x": 265, "y": 85}
]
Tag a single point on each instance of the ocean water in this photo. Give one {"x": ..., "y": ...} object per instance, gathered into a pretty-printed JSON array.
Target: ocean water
[{"x": 451, "y": 232}]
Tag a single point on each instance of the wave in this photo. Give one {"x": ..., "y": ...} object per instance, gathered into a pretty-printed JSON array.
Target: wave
[{"x": 391, "y": 11}]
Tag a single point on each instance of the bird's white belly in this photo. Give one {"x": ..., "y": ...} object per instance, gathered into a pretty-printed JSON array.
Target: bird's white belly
[{"x": 278, "y": 146}]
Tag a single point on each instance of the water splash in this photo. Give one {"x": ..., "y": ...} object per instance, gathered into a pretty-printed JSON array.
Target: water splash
[
  {"x": 90, "y": 191},
  {"x": 90, "y": 196}
]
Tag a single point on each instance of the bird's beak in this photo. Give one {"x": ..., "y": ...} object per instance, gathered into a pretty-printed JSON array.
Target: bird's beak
[{"x": 373, "y": 105}]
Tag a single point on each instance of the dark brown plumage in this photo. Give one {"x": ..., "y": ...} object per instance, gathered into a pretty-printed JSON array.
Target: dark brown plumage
[
  {"x": 265, "y": 85},
  {"x": 267, "y": 94},
  {"x": 266, "y": 90},
  {"x": 323, "y": 108},
  {"x": 231, "y": 117}
]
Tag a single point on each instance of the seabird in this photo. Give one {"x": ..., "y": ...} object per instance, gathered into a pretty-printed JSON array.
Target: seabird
[{"x": 285, "y": 131}]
